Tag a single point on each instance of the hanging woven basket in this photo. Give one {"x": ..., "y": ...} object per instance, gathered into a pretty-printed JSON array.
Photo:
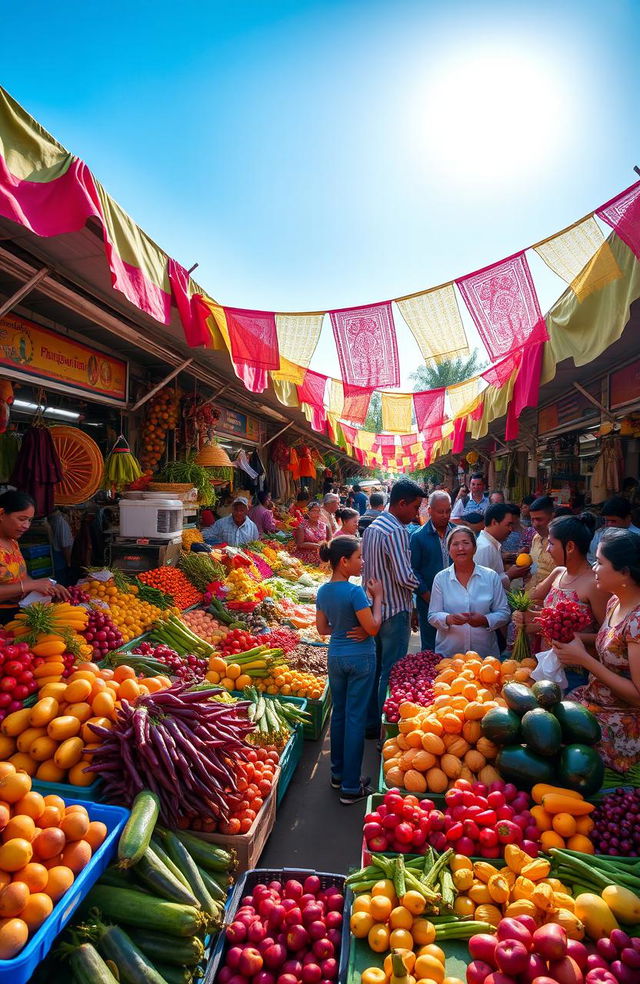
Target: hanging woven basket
[
  {"x": 213, "y": 456},
  {"x": 82, "y": 465}
]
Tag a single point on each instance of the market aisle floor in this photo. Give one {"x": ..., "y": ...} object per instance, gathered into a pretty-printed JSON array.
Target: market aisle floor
[{"x": 313, "y": 829}]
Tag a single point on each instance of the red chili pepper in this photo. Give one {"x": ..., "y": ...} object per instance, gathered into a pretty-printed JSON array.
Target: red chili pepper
[
  {"x": 455, "y": 832},
  {"x": 487, "y": 819},
  {"x": 508, "y": 832}
]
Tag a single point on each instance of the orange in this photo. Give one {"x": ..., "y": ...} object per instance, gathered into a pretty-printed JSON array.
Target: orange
[
  {"x": 361, "y": 924},
  {"x": 33, "y": 875},
  {"x": 129, "y": 690},
  {"x": 423, "y": 931},
  {"x": 463, "y": 906},
  {"x": 408, "y": 959},
  {"x": 434, "y": 951},
  {"x": 124, "y": 672},
  {"x": 13, "y": 899},
  {"x": 549, "y": 838},
  {"x": 414, "y": 902},
  {"x": 380, "y": 908},
  {"x": 38, "y": 907},
  {"x": 61, "y": 878},
  {"x": 400, "y": 938},
  {"x": 31, "y": 805},
  {"x": 20, "y": 826},
  {"x": 361, "y": 904},
  {"x": 378, "y": 938},
  {"x": 460, "y": 861},
  {"x": 15, "y": 854},
  {"x": 14, "y": 785},
  {"x": 429, "y": 967},
  {"x": 400, "y": 918},
  {"x": 47, "y": 844},
  {"x": 385, "y": 887}
]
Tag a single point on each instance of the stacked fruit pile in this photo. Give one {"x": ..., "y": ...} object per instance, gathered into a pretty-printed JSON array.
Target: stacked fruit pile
[{"x": 161, "y": 416}]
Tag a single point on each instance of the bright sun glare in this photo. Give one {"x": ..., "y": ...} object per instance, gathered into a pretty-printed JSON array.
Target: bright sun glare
[{"x": 493, "y": 114}]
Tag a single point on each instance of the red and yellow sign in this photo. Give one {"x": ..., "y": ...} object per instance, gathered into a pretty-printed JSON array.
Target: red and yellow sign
[
  {"x": 27, "y": 348},
  {"x": 624, "y": 385}
]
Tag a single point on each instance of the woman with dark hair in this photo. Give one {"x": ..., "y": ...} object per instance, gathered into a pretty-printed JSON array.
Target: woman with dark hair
[
  {"x": 262, "y": 514},
  {"x": 348, "y": 520},
  {"x": 17, "y": 510},
  {"x": 342, "y": 607},
  {"x": 297, "y": 508},
  {"x": 468, "y": 602},
  {"x": 613, "y": 688},
  {"x": 309, "y": 535},
  {"x": 572, "y": 579}
]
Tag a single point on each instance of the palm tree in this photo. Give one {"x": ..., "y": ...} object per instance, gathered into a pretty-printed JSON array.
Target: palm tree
[
  {"x": 374, "y": 416},
  {"x": 447, "y": 373}
]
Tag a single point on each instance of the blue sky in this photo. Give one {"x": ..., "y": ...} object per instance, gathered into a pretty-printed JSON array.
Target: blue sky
[{"x": 314, "y": 155}]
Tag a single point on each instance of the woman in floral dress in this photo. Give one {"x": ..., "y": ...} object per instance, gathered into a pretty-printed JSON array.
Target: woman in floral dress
[
  {"x": 613, "y": 689},
  {"x": 309, "y": 535}
]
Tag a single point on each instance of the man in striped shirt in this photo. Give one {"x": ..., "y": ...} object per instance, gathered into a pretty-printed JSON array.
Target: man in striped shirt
[{"x": 386, "y": 555}]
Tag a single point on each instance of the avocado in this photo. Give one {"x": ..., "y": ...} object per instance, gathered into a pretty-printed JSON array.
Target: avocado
[
  {"x": 519, "y": 698},
  {"x": 523, "y": 767},
  {"x": 578, "y": 723},
  {"x": 581, "y": 769},
  {"x": 547, "y": 693},
  {"x": 501, "y": 726},
  {"x": 541, "y": 732}
]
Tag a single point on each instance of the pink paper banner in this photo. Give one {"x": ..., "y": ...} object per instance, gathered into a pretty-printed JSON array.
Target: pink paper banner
[
  {"x": 429, "y": 408},
  {"x": 349, "y": 433},
  {"x": 312, "y": 389},
  {"x": 622, "y": 213},
  {"x": 503, "y": 303},
  {"x": 367, "y": 348},
  {"x": 498, "y": 374},
  {"x": 526, "y": 388},
  {"x": 253, "y": 337}
]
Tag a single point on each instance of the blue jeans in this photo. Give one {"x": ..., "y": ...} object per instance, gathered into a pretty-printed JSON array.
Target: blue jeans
[
  {"x": 392, "y": 643},
  {"x": 351, "y": 679},
  {"x": 427, "y": 632}
]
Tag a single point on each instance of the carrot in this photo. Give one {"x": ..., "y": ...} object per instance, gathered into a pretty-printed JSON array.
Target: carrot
[{"x": 559, "y": 803}]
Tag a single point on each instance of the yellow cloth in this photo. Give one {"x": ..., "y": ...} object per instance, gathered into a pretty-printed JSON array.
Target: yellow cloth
[
  {"x": 435, "y": 323},
  {"x": 581, "y": 257},
  {"x": 336, "y": 397},
  {"x": 495, "y": 402},
  {"x": 217, "y": 325},
  {"x": 543, "y": 559},
  {"x": 599, "y": 271},
  {"x": 298, "y": 336},
  {"x": 365, "y": 440},
  {"x": 289, "y": 372},
  {"x": 464, "y": 397},
  {"x": 397, "y": 412},
  {"x": 583, "y": 331},
  {"x": 285, "y": 391}
]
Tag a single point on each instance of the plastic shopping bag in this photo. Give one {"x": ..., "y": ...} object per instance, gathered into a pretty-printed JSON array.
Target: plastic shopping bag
[{"x": 550, "y": 668}]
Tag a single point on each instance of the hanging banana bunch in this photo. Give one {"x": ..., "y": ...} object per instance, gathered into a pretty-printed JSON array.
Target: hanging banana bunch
[{"x": 121, "y": 467}]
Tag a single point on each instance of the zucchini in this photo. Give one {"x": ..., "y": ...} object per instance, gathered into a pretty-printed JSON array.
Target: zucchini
[
  {"x": 160, "y": 852},
  {"x": 208, "y": 856},
  {"x": 217, "y": 893},
  {"x": 137, "y": 833},
  {"x": 176, "y": 975},
  {"x": 133, "y": 966},
  {"x": 181, "y": 857},
  {"x": 119, "y": 878},
  {"x": 134, "y": 908},
  {"x": 165, "y": 885},
  {"x": 88, "y": 967},
  {"x": 169, "y": 949}
]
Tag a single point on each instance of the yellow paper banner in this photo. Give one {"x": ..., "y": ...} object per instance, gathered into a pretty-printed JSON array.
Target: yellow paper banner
[
  {"x": 298, "y": 336},
  {"x": 464, "y": 397},
  {"x": 397, "y": 412},
  {"x": 581, "y": 257},
  {"x": 336, "y": 397},
  {"x": 435, "y": 323},
  {"x": 365, "y": 440}
]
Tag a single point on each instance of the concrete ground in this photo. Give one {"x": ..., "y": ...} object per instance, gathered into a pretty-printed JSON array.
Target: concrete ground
[{"x": 313, "y": 829}]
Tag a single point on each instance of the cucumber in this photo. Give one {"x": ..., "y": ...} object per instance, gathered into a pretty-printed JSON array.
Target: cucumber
[
  {"x": 169, "y": 949},
  {"x": 155, "y": 875},
  {"x": 137, "y": 833},
  {"x": 88, "y": 967},
  {"x": 215, "y": 889},
  {"x": 133, "y": 966},
  {"x": 135, "y": 908},
  {"x": 181, "y": 857},
  {"x": 208, "y": 856},
  {"x": 119, "y": 878},
  {"x": 176, "y": 975},
  {"x": 160, "y": 852}
]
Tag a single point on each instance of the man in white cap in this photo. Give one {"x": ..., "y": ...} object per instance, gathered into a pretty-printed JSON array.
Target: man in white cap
[
  {"x": 235, "y": 530},
  {"x": 330, "y": 504}
]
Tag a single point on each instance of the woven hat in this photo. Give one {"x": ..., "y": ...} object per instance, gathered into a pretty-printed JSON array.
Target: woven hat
[{"x": 213, "y": 456}]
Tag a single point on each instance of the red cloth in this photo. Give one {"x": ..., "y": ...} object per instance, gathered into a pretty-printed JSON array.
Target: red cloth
[
  {"x": 253, "y": 337},
  {"x": 459, "y": 434},
  {"x": 406, "y": 440},
  {"x": 349, "y": 434},
  {"x": 189, "y": 308},
  {"x": 622, "y": 213},
  {"x": 367, "y": 348},
  {"x": 356, "y": 403},
  {"x": 318, "y": 420},
  {"x": 386, "y": 443},
  {"x": 526, "y": 388},
  {"x": 255, "y": 380},
  {"x": 503, "y": 303},
  {"x": 429, "y": 408},
  {"x": 312, "y": 389}
]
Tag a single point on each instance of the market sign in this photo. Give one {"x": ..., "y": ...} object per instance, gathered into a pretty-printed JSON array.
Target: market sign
[
  {"x": 32, "y": 351},
  {"x": 239, "y": 425},
  {"x": 624, "y": 385},
  {"x": 572, "y": 408}
]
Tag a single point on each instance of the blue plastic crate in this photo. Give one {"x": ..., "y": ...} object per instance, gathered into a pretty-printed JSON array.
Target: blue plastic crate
[
  {"x": 20, "y": 969},
  {"x": 36, "y": 550},
  {"x": 291, "y": 755},
  {"x": 247, "y": 882},
  {"x": 90, "y": 794}
]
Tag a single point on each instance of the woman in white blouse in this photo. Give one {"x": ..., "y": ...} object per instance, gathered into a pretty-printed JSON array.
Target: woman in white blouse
[{"x": 468, "y": 602}]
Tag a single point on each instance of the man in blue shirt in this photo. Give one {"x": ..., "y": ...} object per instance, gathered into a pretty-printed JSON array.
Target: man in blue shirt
[
  {"x": 617, "y": 514},
  {"x": 235, "y": 530},
  {"x": 477, "y": 501},
  {"x": 359, "y": 500},
  {"x": 429, "y": 555}
]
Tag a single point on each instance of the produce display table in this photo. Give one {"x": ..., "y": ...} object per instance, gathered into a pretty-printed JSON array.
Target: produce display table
[
  {"x": 249, "y": 846},
  {"x": 246, "y": 884},
  {"x": 20, "y": 968},
  {"x": 319, "y": 710}
]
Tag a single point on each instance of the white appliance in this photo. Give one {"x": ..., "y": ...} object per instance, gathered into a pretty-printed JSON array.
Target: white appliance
[{"x": 155, "y": 518}]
